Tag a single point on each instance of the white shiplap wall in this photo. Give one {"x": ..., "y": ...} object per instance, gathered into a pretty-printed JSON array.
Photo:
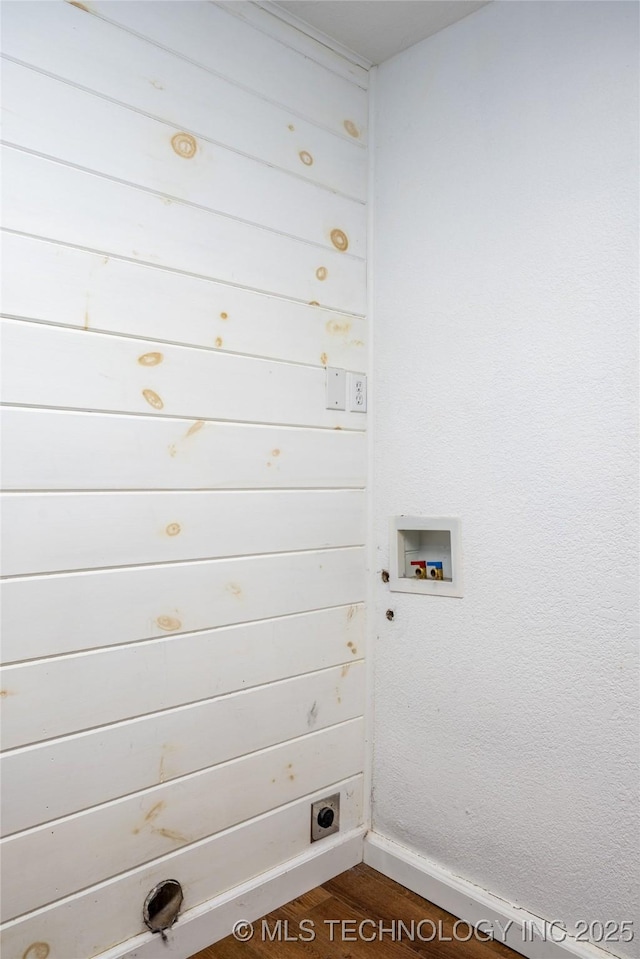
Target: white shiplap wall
[{"x": 183, "y": 250}]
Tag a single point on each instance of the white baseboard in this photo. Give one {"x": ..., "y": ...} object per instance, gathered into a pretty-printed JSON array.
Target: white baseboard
[
  {"x": 213, "y": 920},
  {"x": 471, "y": 903}
]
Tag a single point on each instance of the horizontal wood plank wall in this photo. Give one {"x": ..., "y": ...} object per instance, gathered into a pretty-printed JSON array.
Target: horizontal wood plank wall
[
  {"x": 46, "y": 449},
  {"x": 182, "y": 557},
  {"x": 110, "y": 909},
  {"x": 149, "y": 80},
  {"x": 85, "y": 290}
]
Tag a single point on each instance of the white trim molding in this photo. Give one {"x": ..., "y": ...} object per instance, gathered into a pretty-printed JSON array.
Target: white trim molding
[
  {"x": 277, "y": 11},
  {"x": 213, "y": 920},
  {"x": 295, "y": 33},
  {"x": 471, "y": 903}
]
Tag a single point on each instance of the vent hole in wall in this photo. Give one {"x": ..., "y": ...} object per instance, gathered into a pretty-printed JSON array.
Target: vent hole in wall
[{"x": 162, "y": 905}]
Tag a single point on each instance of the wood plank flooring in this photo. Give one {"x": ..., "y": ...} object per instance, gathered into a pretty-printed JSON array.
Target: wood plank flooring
[{"x": 357, "y": 895}]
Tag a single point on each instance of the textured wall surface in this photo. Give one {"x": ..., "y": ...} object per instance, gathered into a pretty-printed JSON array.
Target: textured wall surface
[{"x": 506, "y": 370}]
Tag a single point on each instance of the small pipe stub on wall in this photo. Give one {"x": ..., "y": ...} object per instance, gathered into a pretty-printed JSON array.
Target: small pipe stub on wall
[{"x": 162, "y": 905}]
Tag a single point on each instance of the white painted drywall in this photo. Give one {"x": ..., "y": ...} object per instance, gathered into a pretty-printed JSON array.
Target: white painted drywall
[
  {"x": 183, "y": 618},
  {"x": 506, "y": 734}
]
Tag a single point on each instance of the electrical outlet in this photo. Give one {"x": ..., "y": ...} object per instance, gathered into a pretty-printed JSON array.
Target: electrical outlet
[
  {"x": 325, "y": 817},
  {"x": 357, "y": 393}
]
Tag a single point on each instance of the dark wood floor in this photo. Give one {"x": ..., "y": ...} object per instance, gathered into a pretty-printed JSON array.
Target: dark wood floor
[{"x": 357, "y": 895}]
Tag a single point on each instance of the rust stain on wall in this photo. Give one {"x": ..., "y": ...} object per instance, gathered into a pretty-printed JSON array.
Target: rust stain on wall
[
  {"x": 322, "y": 273},
  {"x": 86, "y": 319},
  {"x": 80, "y": 6},
  {"x": 168, "y": 623},
  {"x": 291, "y": 127},
  {"x": 184, "y": 145},
  {"x": 312, "y": 715},
  {"x": 153, "y": 399},
  {"x": 351, "y": 612},
  {"x": 155, "y": 811},
  {"x": 306, "y": 158},
  {"x": 337, "y": 329},
  {"x": 174, "y": 448},
  {"x": 153, "y": 814},
  {"x": 353, "y": 648},
  {"x": 235, "y": 590},
  {"x": 275, "y": 452},
  {"x": 313, "y": 303},
  {"x": 351, "y": 128},
  {"x": 162, "y": 771},
  {"x": 150, "y": 359},
  {"x": 38, "y": 950},
  {"x": 218, "y": 341},
  {"x": 345, "y": 670},
  {"x": 173, "y": 529},
  {"x": 224, "y": 316},
  {"x": 194, "y": 429},
  {"x": 5, "y": 692},
  {"x": 324, "y": 359},
  {"x": 340, "y": 240},
  {"x": 171, "y": 834}
]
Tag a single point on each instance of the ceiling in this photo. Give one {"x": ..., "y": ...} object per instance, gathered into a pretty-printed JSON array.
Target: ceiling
[{"x": 378, "y": 29}]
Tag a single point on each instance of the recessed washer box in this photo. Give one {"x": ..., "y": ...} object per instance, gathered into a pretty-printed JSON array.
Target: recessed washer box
[{"x": 426, "y": 555}]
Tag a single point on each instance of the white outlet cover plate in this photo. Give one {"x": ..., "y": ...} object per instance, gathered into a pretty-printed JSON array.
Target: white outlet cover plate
[
  {"x": 357, "y": 393},
  {"x": 336, "y": 389}
]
